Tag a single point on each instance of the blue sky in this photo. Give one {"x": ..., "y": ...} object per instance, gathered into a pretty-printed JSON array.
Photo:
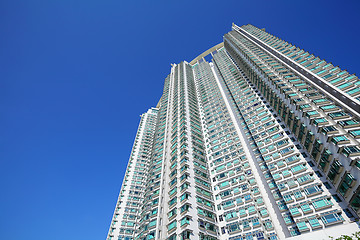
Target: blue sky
[{"x": 75, "y": 75}]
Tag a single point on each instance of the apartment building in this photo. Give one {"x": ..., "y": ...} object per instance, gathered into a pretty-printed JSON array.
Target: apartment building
[{"x": 261, "y": 142}]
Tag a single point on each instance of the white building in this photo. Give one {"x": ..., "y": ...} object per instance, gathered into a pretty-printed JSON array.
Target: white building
[{"x": 260, "y": 143}]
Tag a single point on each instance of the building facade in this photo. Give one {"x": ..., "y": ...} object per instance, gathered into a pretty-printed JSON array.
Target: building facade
[{"x": 262, "y": 142}]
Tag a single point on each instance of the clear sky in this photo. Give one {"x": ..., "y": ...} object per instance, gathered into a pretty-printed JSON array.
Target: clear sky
[{"x": 76, "y": 74}]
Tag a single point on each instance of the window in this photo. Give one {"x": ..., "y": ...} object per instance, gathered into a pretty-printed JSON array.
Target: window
[
  {"x": 288, "y": 219},
  {"x": 228, "y": 204},
  {"x": 224, "y": 184},
  {"x": 314, "y": 223},
  {"x": 320, "y": 121},
  {"x": 154, "y": 211},
  {"x": 230, "y": 215},
  {"x": 298, "y": 195},
  {"x": 268, "y": 224},
  {"x": 349, "y": 123},
  {"x": 321, "y": 203},
  {"x": 255, "y": 222},
  {"x": 184, "y": 196},
  {"x": 338, "y": 115},
  {"x": 151, "y": 235},
  {"x": 264, "y": 212},
  {"x": 152, "y": 223},
  {"x": 173, "y": 182},
  {"x": 276, "y": 176},
  {"x": 288, "y": 198},
  {"x": 184, "y": 186},
  {"x": 251, "y": 209},
  {"x": 172, "y": 225},
  {"x": 185, "y": 220},
  {"x": 184, "y": 176},
  {"x": 173, "y": 191},
  {"x": 298, "y": 168},
  {"x": 259, "y": 201},
  {"x": 331, "y": 218},
  {"x": 246, "y": 224},
  {"x": 242, "y": 212},
  {"x": 239, "y": 200},
  {"x": 339, "y": 140},
  {"x": 233, "y": 227},
  {"x": 329, "y": 129},
  {"x": 184, "y": 208},
  {"x": 172, "y": 201},
  {"x": 352, "y": 150},
  {"x": 306, "y": 208},
  {"x": 346, "y": 183},
  {"x": 286, "y": 173},
  {"x": 172, "y": 237},
  {"x": 172, "y": 213},
  {"x": 304, "y": 179},
  {"x": 294, "y": 211},
  {"x": 236, "y": 190},
  {"x": 302, "y": 226},
  {"x": 312, "y": 190},
  {"x": 328, "y": 108},
  {"x": 291, "y": 183}
]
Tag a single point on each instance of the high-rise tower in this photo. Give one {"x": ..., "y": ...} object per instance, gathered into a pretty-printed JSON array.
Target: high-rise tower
[
  {"x": 127, "y": 216},
  {"x": 260, "y": 143}
]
